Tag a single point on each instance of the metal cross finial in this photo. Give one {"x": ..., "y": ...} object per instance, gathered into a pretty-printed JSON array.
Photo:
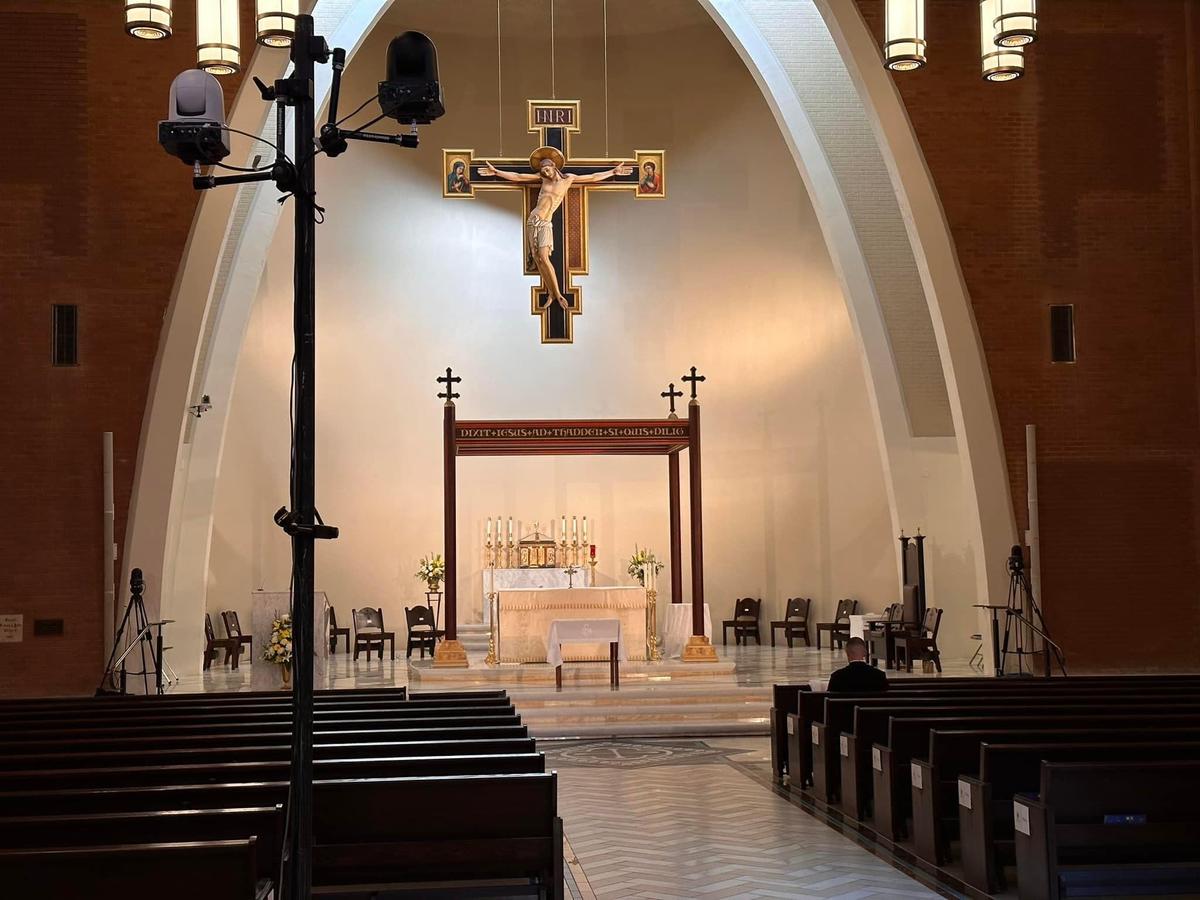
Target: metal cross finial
[
  {"x": 670, "y": 393},
  {"x": 449, "y": 379},
  {"x": 694, "y": 379}
]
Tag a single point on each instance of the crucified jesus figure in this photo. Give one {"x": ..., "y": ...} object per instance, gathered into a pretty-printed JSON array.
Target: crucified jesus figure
[{"x": 548, "y": 163}]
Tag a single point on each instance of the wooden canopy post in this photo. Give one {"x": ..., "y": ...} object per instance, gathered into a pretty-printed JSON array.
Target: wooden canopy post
[
  {"x": 673, "y": 501},
  {"x": 449, "y": 651},
  {"x": 676, "y": 537},
  {"x": 698, "y": 648}
]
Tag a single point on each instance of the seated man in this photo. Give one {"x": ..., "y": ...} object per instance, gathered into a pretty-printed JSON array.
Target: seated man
[{"x": 859, "y": 676}]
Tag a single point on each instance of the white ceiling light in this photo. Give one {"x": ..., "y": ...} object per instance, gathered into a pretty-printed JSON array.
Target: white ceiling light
[
  {"x": 276, "y": 22},
  {"x": 904, "y": 44},
  {"x": 218, "y": 48},
  {"x": 149, "y": 21}
]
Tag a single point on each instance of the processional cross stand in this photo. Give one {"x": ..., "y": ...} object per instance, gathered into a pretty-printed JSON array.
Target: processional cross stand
[
  {"x": 555, "y": 121},
  {"x": 450, "y": 652}
]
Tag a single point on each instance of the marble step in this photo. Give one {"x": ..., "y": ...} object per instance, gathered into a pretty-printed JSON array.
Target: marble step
[
  {"x": 566, "y": 731},
  {"x": 675, "y": 697}
]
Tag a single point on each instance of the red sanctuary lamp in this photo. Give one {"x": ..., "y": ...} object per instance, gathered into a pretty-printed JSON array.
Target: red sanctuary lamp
[{"x": 592, "y": 564}]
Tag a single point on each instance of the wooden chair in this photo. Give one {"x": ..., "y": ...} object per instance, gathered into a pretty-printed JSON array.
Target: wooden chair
[
  {"x": 335, "y": 632},
  {"x": 839, "y": 628},
  {"x": 884, "y": 634},
  {"x": 744, "y": 622},
  {"x": 213, "y": 644},
  {"x": 233, "y": 631},
  {"x": 794, "y": 622},
  {"x": 922, "y": 642},
  {"x": 369, "y": 632},
  {"x": 422, "y": 632}
]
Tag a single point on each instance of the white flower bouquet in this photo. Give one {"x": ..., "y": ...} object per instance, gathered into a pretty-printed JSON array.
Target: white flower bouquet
[
  {"x": 432, "y": 571},
  {"x": 642, "y": 560}
]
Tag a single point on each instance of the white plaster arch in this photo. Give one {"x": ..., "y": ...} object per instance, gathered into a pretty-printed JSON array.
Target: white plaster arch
[{"x": 170, "y": 525}]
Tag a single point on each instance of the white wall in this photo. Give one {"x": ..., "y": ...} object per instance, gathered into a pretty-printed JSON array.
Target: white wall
[{"x": 730, "y": 274}]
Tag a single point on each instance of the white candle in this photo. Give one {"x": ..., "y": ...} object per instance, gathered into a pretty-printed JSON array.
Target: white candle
[
  {"x": 489, "y": 529},
  {"x": 585, "y": 540},
  {"x": 574, "y": 529},
  {"x": 564, "y": 529},
  {"x": 510, "y": 529}
]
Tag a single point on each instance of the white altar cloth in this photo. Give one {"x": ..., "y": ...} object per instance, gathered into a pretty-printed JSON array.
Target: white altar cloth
[
  {"x": 529, "y": 579},
  {"x": 679, "y": 628},
  {"x": 525, "y": 618},
  {"x": 583, "y": 631}
]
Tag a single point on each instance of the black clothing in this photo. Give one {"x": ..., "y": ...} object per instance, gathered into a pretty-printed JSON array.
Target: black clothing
[{"x": 859, "y": 677}]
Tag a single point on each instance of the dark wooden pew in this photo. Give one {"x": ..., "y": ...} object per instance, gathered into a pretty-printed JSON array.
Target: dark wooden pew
[
  {"x": 263, "y": 823},
  {"x": 810, "y": 706},
  {"x": 840, "y": 714},
  {"x": 87, "y": 758},
  {"x": 360, "y": 842},
  {"x": 131, "y": 746},
  {"x": 249, "y": 726},
  {"x": 263, "y": 770},
  {"x": 885, "y": 764},
  {"x": 206, "y": 703},
  {"x": 1110, "y": 830},
  {"x": 381, "y": 712},
  {"x": 1005, "y": 770},
  {"x": 199, "y": 870},
  {"x": 784, "y": 699},
  {"x": 953, "y": 751}
]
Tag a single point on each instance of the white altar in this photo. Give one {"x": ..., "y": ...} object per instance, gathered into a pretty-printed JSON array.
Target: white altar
[
  {"x": 526, "y": 579},
  {"x": 525, "y": 616}
]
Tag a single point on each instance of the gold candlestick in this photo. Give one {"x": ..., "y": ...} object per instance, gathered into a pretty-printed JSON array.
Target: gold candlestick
[
  {"x": 653, "y": 644},
  {"x": 492, "y": 659}
]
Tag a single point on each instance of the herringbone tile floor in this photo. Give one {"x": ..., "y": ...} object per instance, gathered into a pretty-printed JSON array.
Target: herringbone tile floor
[{"x": 705, "y": 829}]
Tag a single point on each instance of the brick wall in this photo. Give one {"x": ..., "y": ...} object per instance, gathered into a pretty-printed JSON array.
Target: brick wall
[
  {"x": 1078, "y": 185},
  {"x": 94, "y": 214}
]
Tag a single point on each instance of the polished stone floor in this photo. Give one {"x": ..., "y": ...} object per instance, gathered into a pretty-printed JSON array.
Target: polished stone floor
[
  {"x": 756, "y": 667},
  {"x": 700, "y": 819}
]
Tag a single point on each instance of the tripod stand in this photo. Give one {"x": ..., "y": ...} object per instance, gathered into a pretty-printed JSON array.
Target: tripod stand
[
  {"x": 1020, "y": 625},
  {"x": 139, "y": 625}
]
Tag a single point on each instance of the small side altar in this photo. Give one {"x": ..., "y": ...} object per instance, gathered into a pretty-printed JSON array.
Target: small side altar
[{"x": 524, "y": 618}]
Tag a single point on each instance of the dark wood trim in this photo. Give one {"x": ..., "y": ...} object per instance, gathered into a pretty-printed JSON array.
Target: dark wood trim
[
  {"x": 449, "y": 465},
  {"x": 548, "y": 437},
  {"x": 697, "y": 518},
  {"x": 676, "y": 528}
]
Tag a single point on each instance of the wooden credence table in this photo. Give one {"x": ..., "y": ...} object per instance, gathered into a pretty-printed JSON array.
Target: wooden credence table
[{"x": 586, "y": 631}]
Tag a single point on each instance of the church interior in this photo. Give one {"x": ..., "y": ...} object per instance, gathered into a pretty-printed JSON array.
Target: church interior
[{"x": 601, "y": 449}]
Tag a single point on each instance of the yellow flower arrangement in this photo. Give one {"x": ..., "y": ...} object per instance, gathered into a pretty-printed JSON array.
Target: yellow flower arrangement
[{"x": 279, "y": 648}]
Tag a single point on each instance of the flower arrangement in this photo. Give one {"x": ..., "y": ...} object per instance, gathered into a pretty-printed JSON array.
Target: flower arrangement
[
  {"x": 641, "y": 560},
  {"x": 279, "y": 648},
  {"x": 432, "y": 571}
]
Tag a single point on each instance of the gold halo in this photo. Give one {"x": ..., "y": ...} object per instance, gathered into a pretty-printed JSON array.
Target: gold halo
[{"x": 551, "y": 153}]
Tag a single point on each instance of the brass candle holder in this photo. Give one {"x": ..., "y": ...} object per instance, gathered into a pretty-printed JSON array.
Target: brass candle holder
[{"x": 653, "y": 643}]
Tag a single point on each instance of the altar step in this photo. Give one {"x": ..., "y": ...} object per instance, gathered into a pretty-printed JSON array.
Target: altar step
[
  {"x": 644, "y": 711},
  {"x": 474, "y": 637}
]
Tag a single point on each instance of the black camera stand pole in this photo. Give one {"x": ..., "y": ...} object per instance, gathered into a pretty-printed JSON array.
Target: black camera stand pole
[
  {"x": 1017, "y": 622},
  {"x": 302, "y": 523}
]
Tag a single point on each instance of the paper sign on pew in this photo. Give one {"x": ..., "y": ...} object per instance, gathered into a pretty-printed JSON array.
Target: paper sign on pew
[
  {"x": 1021, "y": 817},
  {"x": 12, "y": 628},
  {"x": 816, "y": 735}
]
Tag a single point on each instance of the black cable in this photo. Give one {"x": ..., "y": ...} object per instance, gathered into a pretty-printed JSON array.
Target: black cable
[{"x": 361, "y": 107}]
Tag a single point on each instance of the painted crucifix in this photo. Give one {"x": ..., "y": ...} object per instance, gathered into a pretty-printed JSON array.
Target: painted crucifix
[{"x": 555, "y": 188}]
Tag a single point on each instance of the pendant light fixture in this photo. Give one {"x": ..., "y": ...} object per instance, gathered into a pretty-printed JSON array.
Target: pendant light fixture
[
  {"x": 999, "y": 63},
  {"x": 904, "y": 44},
  {"x": 149, "y": 21},
  {"x": 218, "y": 48},
  {"x": 1016, "y": 22},
  {"x": 276, "y": 21}
]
